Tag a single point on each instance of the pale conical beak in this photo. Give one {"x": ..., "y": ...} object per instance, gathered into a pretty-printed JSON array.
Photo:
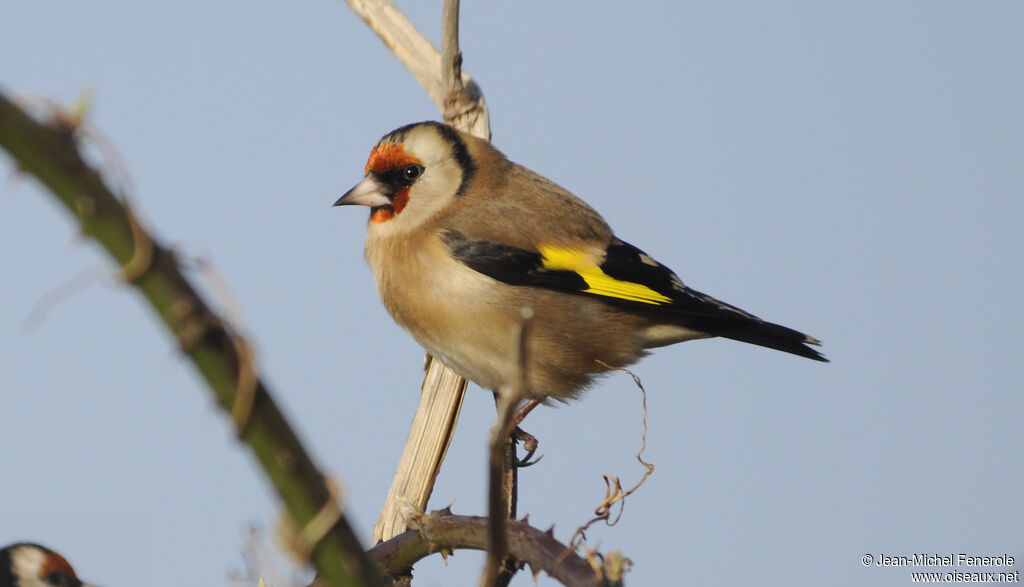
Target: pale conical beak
[{"x": 368, "y": 192}]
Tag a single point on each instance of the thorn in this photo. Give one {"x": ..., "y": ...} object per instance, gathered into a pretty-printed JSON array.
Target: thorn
[
  {"x": 526, "y": 519},
  {"x": 535, "y": 572},
  {"x": 550, "y": 531},
  {"x": 80, "y": 109},
  {"x": 445, "y": 511}
]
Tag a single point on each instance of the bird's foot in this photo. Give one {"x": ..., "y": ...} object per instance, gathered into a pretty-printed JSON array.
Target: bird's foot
[
  {"x": 530, "y": 444},
  {"x": 529, "y": 441}
]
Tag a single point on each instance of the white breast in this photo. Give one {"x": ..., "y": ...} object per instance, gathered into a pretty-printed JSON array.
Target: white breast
[{"x": 447, "y": 307}]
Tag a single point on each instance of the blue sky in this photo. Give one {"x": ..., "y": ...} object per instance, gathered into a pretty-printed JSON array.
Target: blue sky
[{"x": 851, "y": 170}]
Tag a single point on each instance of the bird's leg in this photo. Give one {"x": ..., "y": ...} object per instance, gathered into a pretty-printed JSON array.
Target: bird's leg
[
  {"x": 529, "y": 441},
  {"x": 523, "y": 412}
]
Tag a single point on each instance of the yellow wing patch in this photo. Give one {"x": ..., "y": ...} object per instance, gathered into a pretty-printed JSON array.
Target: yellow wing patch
[{"x": 587, "y": 265}]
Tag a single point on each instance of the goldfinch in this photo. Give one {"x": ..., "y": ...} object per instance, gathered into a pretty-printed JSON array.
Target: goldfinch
[
  {"x": 31, "y": 565},
  {"x": 460, "y": 239}
]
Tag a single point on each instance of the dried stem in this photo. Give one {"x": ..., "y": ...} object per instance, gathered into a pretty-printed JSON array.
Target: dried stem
[
  {"x": 413, "y": 49},
  {"x": 614, "y": 493},
  {"x": 502, "y": 488},
  {"x": 451, "y": 57},
  {"x": 430, "y": 434},
  {"x": 443, "y": 390}
]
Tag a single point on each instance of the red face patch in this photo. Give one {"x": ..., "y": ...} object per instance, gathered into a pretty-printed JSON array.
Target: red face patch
[
  {"x": 382, "y": 214},
  {"x": 385, "y": 213},
  {"x": 384, "y": 158},
  {"x": 388, "y": 156},
  {"x": 55, "y": 563}
]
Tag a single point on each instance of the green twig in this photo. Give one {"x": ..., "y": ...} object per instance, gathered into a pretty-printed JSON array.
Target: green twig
[{"x": 49, "y": 151}]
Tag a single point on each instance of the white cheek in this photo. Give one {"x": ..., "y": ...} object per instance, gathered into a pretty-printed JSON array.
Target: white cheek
[{"x": 27, "y": 562}]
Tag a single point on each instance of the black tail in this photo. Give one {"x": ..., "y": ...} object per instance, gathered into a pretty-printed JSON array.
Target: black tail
[{"x": 766, "y": 334}]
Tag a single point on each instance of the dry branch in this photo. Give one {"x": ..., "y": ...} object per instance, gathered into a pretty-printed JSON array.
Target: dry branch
[
  {"x": 430, "y": 434},
  {"x": 443, "y": 532},
  {"x": 442, "y": 392},
  {"x": 501, "y": 476}
]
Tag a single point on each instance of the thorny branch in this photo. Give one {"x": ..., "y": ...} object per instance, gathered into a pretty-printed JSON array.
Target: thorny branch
[
  {"x": 51, "y": 152},
  {"x": 444, "y": 532}
]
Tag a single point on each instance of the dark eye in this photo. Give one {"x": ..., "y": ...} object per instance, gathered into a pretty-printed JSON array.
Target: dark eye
[{"x": 412, "y": 172}]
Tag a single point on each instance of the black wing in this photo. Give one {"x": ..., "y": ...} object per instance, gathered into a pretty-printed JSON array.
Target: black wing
[{"x": 623, "y": 275}]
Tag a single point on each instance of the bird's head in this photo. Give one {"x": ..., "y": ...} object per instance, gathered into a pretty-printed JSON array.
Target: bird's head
[
  {"x": 412, "y": 173},
  {"x": 31, "y": 565}
]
